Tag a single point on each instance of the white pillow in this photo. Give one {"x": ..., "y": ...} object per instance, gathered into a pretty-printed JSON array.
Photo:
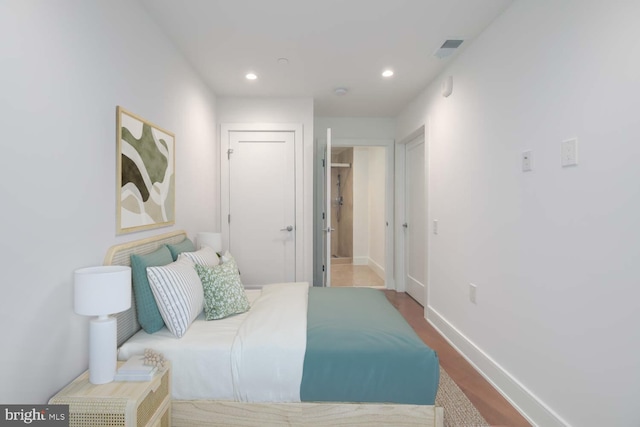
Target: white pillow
[
  {"x": 178, "y": 292},
  {"x": 226, "y": 257},
  {"x": 204, "y": 256}
]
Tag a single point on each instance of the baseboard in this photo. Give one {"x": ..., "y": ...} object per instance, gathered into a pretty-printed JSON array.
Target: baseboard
[
  {"x": 360, "y": 260},
  {"x": 377, "y": 268},
  {"x": 522, "y": 399}
]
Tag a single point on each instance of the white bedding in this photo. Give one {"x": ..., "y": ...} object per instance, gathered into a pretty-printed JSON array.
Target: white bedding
[
  {"x": 253, "y": 356},
  {"x": 268, "y": 352}
]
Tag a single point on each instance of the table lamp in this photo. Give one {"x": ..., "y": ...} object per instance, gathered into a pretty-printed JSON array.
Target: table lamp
[
  {"x": 101, "y": 291},
  {"x": 207, "y": 238}
]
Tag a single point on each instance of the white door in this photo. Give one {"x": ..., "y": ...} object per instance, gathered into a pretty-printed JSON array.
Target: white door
[
  {"x": 326, "y": 264},
  {"x": 262, "y": 205},
  {"x": 415, "y": 220}
]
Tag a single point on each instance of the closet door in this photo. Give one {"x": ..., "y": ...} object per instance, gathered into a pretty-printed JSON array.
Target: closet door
[
  {"x": 262, "y": 205},
  {"x": 415, "y": 220}
]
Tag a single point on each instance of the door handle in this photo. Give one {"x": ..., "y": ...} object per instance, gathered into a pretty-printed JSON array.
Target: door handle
[
  {"x": 289, "y": 228},
  {"x": 405, "y": 225}
]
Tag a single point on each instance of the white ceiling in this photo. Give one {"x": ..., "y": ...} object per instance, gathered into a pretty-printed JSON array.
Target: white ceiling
[{"x": 329, "y": 44}]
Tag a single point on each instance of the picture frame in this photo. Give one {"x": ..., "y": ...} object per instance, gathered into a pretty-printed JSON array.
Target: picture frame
[{"x": 145, "y": 188}]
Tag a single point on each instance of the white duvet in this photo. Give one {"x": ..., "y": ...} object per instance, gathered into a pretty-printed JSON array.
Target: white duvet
[{"x": 252, "y": 357}]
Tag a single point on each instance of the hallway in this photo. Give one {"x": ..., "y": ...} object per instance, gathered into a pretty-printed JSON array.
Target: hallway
[{"x": 349, "y": 275}]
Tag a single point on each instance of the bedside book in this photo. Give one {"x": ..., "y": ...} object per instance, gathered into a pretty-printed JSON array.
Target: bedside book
[{"x": 134, "y": 369}]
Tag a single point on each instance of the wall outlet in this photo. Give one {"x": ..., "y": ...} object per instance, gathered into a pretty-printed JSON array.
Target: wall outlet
[
  {"x": 472, "y": 292},
  {"x": 569, "y": 152}
]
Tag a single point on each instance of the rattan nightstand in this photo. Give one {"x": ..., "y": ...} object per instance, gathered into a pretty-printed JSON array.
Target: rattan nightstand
[{"x": 120, "y": 403}]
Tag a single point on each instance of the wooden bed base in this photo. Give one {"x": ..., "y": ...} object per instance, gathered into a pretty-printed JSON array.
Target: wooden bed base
[{"x": 197, "y": 413}]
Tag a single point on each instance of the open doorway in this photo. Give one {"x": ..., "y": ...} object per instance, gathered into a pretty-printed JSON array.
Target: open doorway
[
  {"x": 358, "y": 216},
  {"x": 384, "y": 188}
]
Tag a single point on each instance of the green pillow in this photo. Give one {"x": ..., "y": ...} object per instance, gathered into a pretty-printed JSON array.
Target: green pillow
[
  {"x": 223, "y": 291},
  {"x": 185, "y": 246},
  {"x": 149, "y": 316}
]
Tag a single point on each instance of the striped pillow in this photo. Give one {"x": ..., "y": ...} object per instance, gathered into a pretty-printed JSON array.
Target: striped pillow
[
  {"x": 178, "y": 293},
  {"x": 204, "y": 256}
]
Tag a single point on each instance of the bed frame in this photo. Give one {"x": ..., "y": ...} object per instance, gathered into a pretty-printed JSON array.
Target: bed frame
[{"x": 225, "y": 413}]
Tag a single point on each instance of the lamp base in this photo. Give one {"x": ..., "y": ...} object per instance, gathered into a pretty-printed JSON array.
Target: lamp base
[{"x": 103, "y": 356}]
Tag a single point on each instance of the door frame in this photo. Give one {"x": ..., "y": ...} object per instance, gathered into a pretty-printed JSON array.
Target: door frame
[
  {"x": 225, "y": 130},
  {"x": 400, "y": 253},
  {"x": 389, "y": 144}
]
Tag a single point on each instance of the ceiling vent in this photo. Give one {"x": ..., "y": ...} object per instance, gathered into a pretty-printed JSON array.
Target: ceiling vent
[{"x": 448, "y": 48}]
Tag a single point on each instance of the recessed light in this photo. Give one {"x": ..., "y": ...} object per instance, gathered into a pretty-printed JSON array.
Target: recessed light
[
  {"x": 387, "y": 73},
  {"x": 341, "y": 91},
  {"x": 283, "y": 61},
  {"x": 251, "y": 76}
]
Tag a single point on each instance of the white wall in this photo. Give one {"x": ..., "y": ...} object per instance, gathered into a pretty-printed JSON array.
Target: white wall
[
  {"x": 281, "y": 110},
  {"x": 355, "y": 127},
  {"x": 369, "y": 170},
  {"x": 361, "y": 205},
  {"x": 377, "y": 189},
  {"x": 65, "y": 66},
  {"x": 554, "y": 251}
]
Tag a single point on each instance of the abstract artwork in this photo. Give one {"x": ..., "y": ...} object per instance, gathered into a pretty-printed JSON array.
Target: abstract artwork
[{"x": 145, "y": 175}]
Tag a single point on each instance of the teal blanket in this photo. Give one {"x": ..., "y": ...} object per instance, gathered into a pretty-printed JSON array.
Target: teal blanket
[{"x": 360, "y": 349}]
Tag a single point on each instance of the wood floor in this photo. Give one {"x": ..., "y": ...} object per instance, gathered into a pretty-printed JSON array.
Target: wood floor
[
  {"x": 345, "y": 274},
  {"x": 493, "y": 407}
]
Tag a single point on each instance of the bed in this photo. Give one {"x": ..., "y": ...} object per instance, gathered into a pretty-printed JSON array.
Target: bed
[{"x": 347, "y": 375}]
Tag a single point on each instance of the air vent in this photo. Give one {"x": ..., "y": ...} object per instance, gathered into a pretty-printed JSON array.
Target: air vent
[{"x": 448, "y": 48}]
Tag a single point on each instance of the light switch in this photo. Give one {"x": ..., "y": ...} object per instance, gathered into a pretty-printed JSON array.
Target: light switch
[
  {"x": 527, "y": 161},
  {"x": 569, "y": 152}
]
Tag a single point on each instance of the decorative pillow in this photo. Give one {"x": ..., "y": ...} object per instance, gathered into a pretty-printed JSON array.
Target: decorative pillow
[
  {"x": 228, "y": 258},
  {"x": 204, "y": 256},
  {"x": 178, "y": 293},
  {"x": 149, "y": 316},
  {"x": 185, "y": 246},
  {"x": 223, "y": 291}
]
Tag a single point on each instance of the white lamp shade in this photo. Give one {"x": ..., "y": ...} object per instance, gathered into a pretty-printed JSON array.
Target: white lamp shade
[
  {"x": 100, "y": 291},
  {"x": 213, "y": 240}
]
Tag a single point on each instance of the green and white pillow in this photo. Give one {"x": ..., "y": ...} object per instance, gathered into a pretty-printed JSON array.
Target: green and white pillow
[
  {"x": 223, "y": 291},
  {"x": 178, "y": 292},
  {"x": 226, "y": 257}
]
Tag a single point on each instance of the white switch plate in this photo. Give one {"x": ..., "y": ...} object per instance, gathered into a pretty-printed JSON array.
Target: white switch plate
[
  {"x": 527, "y": 161},
  {"x": 472, "y": 292},
  {"x": 435, "y": 226},
  {"x": 569, "y": 152}
]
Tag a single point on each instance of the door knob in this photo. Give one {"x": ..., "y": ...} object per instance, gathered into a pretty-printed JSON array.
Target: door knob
[
  {"x": 289, "y": 228},
  {"x": 405, "y": 225}
]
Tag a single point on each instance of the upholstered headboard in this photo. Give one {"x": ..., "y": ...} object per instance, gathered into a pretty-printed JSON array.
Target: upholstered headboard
[{"x": 121, "y": 255}]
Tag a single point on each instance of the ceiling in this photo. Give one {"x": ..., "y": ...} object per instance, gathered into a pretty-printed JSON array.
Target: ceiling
[{"x": 329, "y": 44}]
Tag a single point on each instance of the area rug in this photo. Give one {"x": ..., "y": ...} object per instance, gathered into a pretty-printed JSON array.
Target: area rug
[{"x": 458, "y": 409}]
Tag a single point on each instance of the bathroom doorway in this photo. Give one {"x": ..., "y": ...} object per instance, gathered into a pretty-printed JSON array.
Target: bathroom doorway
[{"x": 358, "y": 216}]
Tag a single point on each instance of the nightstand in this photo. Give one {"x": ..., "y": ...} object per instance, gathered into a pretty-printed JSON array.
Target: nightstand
[{"x": 119, "y": 403}]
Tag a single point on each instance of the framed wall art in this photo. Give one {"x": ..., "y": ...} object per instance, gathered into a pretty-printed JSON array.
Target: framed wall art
[{"x": 145, "y": 174}]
